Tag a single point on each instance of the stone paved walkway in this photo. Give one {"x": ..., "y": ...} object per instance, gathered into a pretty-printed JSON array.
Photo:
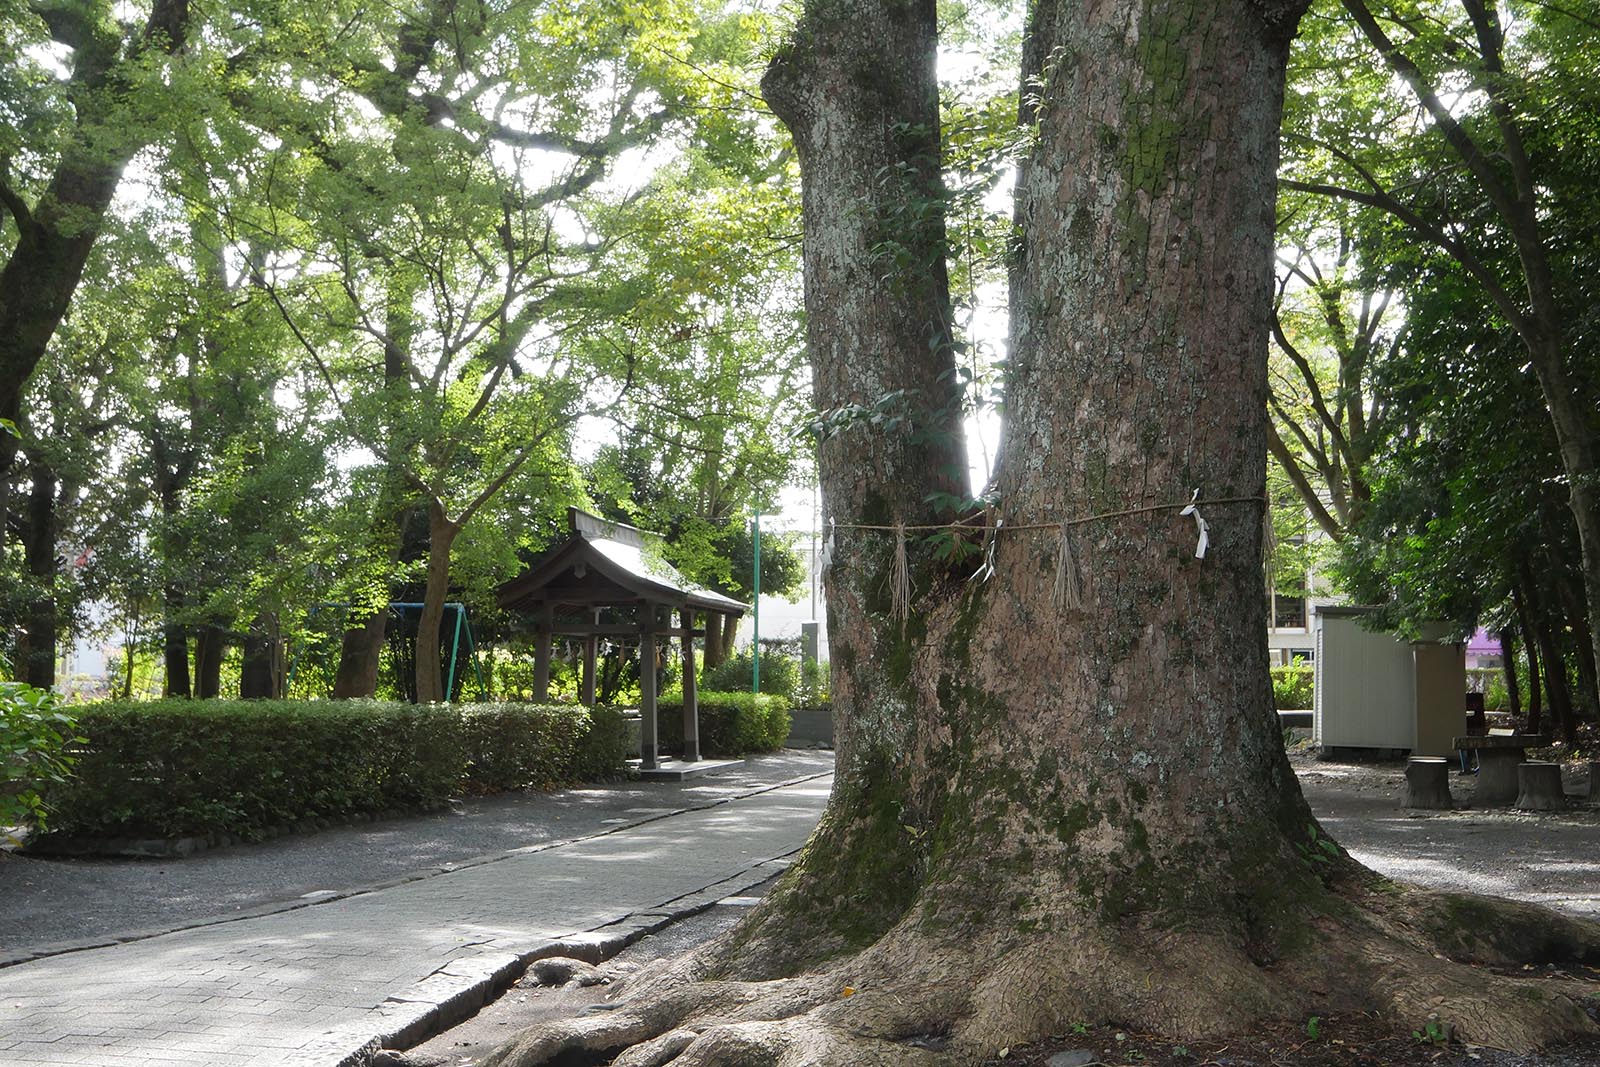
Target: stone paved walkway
[{"x": 311, "y": 986}]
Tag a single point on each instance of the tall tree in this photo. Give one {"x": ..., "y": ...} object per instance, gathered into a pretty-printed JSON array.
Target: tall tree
[
  {"x": 1477, "y": 165},
  {"x": 450, "y": 271},
  {"x": 65, "y": 146},
  {"x": 1055, "y": 809},
  {"x": 1329, "y": 328}
]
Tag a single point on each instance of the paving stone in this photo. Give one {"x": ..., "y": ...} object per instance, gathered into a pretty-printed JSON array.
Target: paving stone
[{"x": 303, "y": 988}]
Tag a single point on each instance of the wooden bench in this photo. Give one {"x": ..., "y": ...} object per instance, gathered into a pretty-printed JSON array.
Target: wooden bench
[{"x": 1500, "y": 752}]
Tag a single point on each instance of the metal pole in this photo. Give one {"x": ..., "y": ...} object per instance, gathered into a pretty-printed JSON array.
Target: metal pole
[
  {"x": 455, "y": 648},
  {"x": 755, "y": 610},
  {"x": 477, "y": 664}
]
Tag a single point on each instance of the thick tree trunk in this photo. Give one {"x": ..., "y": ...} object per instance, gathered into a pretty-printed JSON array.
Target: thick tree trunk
[
  {"x": 441, "y": 537},
  {"x": 37, "y": 644},
  {"x": 713, "y": 651},
  {"x": 1508, "y": 666},
  {"x": 174, "y": 644},
  {"x": 258, "y": 673},
  {"x": 1050, "y": 809},
  {"x": 727, "y": 637},
  {"x": 210, "y": 644},
  {"x": 357, "y": 675}
]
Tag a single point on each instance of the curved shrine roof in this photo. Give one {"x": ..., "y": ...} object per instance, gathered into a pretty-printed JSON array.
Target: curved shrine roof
[{"x": 606, "y": 563}]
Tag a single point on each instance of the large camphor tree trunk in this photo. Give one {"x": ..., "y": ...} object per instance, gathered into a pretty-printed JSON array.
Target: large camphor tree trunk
[{"x": 1053, "y": 809}]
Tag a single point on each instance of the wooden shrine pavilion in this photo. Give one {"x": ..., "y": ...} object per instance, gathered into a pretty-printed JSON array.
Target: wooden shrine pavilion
[{"x": 609, "y": 569}]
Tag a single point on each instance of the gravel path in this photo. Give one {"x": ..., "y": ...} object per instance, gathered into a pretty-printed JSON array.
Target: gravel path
[{"x": 1550, "y": 858}]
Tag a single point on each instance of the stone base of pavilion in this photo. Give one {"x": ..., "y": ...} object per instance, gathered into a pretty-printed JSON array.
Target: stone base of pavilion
[{"x": 676, "y": 770}]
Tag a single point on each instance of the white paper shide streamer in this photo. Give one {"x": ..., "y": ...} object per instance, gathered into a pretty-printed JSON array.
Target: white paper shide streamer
[
  {"x": 827, "y": 550},
  {"x": 990, "y": 540},
  {"x": 1201, "y": 525}
]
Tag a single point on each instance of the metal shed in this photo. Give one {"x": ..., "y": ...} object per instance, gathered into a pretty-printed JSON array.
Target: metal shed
[{"x": 1376, "y": 692}]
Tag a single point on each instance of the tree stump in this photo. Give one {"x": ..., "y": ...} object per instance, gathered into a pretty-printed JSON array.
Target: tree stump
[
  {"x": 1539, "y": 786},
  {"x": 1427, "y": 782}
]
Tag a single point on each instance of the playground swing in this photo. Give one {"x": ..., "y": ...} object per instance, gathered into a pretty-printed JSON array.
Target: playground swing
[{"x": 404, "y": 611}]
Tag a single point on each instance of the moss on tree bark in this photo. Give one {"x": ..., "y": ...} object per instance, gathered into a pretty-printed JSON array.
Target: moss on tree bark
[{"x": 1045, "y": 816}]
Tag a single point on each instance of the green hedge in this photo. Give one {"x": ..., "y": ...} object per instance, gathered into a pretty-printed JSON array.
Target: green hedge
[
  {"x": 731, "y": 724},
  {"x": 179, "y": 767},
  {"x": 1292, "y": 687}
]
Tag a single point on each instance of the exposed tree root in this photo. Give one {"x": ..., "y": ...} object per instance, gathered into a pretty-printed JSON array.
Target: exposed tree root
[{"x": 914, "y": 998}]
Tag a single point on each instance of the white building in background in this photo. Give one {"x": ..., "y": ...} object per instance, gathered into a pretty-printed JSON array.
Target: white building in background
[{"x": 781, "y": 618}]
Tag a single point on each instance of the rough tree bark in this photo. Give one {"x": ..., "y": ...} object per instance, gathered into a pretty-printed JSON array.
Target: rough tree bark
[
  {"x": 210, "y": 645},
  {"x": 260, "y": 676},
  {"x": 1043, "y": 814},
  {"x": 713, "y": 652},
  {"x": 442, "y": 533},
  {"x": 36, "y": 644},
  {"x": 359, "y": 653}
]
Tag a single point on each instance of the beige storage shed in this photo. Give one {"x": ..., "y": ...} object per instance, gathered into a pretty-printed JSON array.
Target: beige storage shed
[{"x": 1378, "y": 694}]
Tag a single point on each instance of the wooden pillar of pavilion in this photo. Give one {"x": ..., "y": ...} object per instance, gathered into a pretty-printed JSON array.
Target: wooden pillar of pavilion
[
  {"x": 648, "y": 746},
  {"x": 691, "y": 704},
  {"x": 542, "y": 639},
  {"x": 591, "y": 651}
]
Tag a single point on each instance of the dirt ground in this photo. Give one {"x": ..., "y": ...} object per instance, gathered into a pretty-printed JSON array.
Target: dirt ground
[{"x": 1553, "y": 858}]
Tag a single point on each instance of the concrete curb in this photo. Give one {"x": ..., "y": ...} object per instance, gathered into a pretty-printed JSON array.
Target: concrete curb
[
  {"x": 456, "y": 991},
  {"x": 60, "y": 948}
]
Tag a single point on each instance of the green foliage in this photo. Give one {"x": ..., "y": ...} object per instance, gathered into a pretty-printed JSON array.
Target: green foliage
[
  {"x": 1433, "y": 1032},
  {"x": 815, "y": 688},
  {"x": 731, "y": 724},
  {"x": 780, "y": 675},
  {"x": 177, "y": 767},
  {"x": 1317, "y": 848},
  {"x": 1314, "y": 1028},
  {"x": 1292, "y": 686},
  {"x": 1428, "y": 429},
  {"x": 518, "y": 746},
  {"x": 36, "y": 736}
]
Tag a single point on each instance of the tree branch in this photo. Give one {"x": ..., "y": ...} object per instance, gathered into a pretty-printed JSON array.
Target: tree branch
[
  {"x": 18, "y": 209},
  {"x": 1463, "y": 255},
  {"x": 1302, "y": 486},
  {"x": 1457, "y": 137}
]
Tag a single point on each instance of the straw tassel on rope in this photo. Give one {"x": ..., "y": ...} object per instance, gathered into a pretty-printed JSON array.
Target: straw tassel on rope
[
  {"x": 900, "y": 581},
  {"x": 1066, "y": 596},
  {"x": 1269, "y": 547}
]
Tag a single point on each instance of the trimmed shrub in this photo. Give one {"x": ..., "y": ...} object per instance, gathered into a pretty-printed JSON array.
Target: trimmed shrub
[
  {"x": 517, "y": 746},
  {"x": 602, "y": 752},
  {"x": 780, "y": 675},
  {"x": 731, "y": 724},
  {"x": 1292, "y": 687},
  {"x": 180, "y": 767}
]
